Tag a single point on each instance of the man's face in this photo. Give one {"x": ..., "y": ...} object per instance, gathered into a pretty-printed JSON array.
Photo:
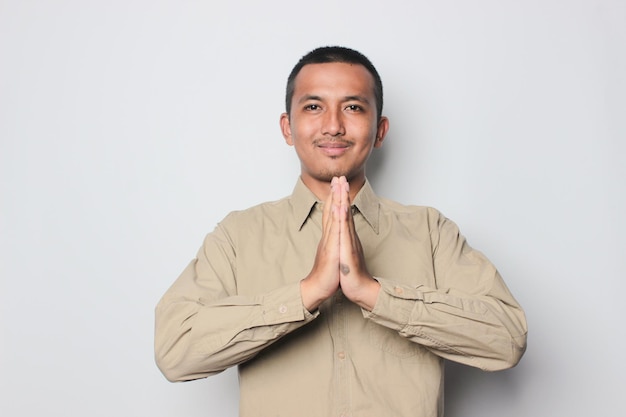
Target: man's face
[{"x": 333, "y": 123}]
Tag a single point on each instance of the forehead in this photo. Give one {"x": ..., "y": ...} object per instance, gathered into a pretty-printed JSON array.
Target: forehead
[{"x": 335, "y": 78}]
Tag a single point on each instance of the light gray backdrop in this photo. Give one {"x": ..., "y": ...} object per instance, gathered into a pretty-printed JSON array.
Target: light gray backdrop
[{"x": 129, "y": 128}]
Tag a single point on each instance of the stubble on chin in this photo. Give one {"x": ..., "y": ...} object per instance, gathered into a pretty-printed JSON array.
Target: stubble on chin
[{"x": 328, "y": 174}]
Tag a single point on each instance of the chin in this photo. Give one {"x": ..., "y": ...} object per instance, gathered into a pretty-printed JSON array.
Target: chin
[{"x": 327, "y": 176}]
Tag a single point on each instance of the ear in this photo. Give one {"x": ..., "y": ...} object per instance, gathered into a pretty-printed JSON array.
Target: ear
[
  {"x": 285, "y": 128},
  {"x": 381, "y": 132}
]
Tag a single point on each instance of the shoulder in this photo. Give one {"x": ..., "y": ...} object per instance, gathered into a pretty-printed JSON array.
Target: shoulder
[
  {"x": 419, "y": 220},
  {"x": 416, "y": 217},
  {"x": 263, "y": 212},
  {"x": 394, "y": 208}
]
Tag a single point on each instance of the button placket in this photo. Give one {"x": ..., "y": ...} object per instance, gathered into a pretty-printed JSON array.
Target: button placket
[{"x": 339, "y": 336}]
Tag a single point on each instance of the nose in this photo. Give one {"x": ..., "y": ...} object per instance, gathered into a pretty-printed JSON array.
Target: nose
[{"x": 333, "y": 124}]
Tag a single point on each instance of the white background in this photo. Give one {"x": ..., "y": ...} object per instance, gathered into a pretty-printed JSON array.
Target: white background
[{"x": 129, "y": 128}]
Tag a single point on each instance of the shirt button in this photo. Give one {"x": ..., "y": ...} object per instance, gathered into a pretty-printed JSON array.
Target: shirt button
[
  {"x": 398, "y": 290},
  {"x": 341, "y": 355},
  {"x": 282, "y": 309}
]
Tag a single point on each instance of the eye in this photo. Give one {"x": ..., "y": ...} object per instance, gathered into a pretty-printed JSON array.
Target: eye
[
  {"x": 312, "y": 107},
  {"x": 354, "y": 108}
]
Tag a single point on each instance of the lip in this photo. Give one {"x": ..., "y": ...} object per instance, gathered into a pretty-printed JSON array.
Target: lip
[{"x": 333, "y": 148}]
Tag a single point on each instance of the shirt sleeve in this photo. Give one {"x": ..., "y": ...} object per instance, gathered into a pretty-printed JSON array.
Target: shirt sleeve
[
  {"x": 203, "y": 326},
  {"x": 470, "y": 317}
]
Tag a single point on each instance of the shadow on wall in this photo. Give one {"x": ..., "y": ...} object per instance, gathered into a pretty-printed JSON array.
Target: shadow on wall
[
  {"x": 375, "y": 163},
  {"x": 467, "y": 389}
]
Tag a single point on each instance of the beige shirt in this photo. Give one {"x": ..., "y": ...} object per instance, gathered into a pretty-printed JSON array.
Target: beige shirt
[{"x": 239, "y": 303}]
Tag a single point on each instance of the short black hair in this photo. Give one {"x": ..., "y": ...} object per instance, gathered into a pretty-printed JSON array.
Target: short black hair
[{"x": 329, "y": 54}]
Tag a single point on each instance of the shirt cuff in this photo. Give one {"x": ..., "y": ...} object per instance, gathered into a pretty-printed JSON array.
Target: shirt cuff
[
  {"x": 395, "y": 304},
  {"x": 284, "y": 305}
]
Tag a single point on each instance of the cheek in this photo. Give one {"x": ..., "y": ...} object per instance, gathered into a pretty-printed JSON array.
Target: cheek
[
  {"x": 365, "y": 128},
  {"x": 302, "y": 131}
]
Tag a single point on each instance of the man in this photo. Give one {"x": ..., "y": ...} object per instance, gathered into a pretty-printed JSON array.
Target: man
[{"x": 334, "y": 301}]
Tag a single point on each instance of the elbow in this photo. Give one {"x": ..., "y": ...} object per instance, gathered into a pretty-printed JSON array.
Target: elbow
[
  {"x": 177, "y": 364},
  {"x": 180, "y": 370},
  {"x": 170, "y": 374},
  {"x": 171, "y": 369},
  {"x": 518, "y": 348},
  {"x": 507, "y": 358},
  {"x": 168, "y": 355},
  {"x": 173, "y": 359},
  {"x": 512, "y": 347},
  {"x": 172, "y": 349}
]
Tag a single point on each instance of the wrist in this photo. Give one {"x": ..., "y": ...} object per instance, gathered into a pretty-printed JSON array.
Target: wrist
[
  {"x": 367, "y": 294},
  {"x": 312, "y": 295}
]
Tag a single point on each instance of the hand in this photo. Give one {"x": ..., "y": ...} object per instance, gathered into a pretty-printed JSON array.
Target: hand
[
  {"x": 356, "y": 282},
  {"x": 339, "y": 260},
  {"x": 323, "y": 280}
]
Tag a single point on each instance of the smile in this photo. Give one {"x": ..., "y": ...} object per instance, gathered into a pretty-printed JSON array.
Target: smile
[{"x": 333, "y": 148}]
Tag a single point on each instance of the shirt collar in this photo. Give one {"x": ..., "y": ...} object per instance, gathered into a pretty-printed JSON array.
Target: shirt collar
[
  {"x": 303, "y": 200},
  {"x": 366, "y": 201}
]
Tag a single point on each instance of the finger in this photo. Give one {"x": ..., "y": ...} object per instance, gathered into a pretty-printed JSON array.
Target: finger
[
  {"x": 346, "y": 205},
  {"x": 344, "y": 193},
  {"x": 351, "y": 251},
  {"x": 333, "y": 223},
  {"x": 328, "y": 205},
  {"x": 346, "y": 246},
  {"x": 354, "y": 237}
]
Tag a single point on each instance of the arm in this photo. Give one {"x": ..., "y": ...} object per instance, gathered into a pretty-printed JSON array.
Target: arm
[
  {"x": 470, "y": 317},
  {"x": 203, "y": 326}
]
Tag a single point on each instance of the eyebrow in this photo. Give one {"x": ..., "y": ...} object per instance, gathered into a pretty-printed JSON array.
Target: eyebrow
[
  {"x": 361, "y": 99},
  {"x": 308, "y": 97}
]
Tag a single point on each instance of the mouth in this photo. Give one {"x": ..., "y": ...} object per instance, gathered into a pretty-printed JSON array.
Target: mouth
[{"x": 333, "y": 148}]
